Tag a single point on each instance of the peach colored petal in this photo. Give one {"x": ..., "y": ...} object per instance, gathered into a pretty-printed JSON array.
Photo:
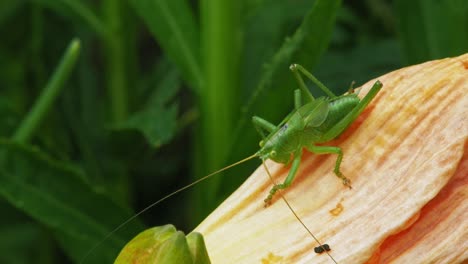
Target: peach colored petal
[
  {"x": 440, "y": 235},
  {"x": 399, "y": 154}
]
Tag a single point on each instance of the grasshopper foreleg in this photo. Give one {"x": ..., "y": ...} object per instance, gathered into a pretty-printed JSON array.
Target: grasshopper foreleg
[
  {"x": 261, "y": 125},
  {"x": 287, "y": 182}
]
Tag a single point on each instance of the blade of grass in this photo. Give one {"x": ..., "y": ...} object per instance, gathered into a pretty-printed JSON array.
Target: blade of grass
[
  {"x": 305, "y": 47},
  {"x": 432, "y": 29},
  {"x": 18, "y": 243},
  {"x": 88, "y": 16},
  {"x": 115, "y": 49},
  {"x": 218, "y": 100},
  {"x": 42, "y": 105},
  {"x": 173, "y": 25},
  {"x": 265, "y": 30},
  {"x": 77, "y": 10},
  {"x": 264, "y": 27},
  {"x": 55, "y": 194}
]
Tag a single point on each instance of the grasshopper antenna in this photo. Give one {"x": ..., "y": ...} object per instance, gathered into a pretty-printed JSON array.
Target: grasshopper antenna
[
  {"x": 161, "y": 200},
  {"x": 295, "y": 215}
]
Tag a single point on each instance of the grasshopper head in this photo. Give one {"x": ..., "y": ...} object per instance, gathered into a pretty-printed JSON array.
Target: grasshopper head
[{"x": 268, "y": 150}]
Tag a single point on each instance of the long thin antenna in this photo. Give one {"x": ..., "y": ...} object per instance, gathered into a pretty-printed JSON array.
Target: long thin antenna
[
  {"x": 161, "y": 200},
  {"x": 295, "y": 215}
]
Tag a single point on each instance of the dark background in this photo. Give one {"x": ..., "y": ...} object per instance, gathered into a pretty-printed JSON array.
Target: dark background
[{"x": 162, "y": 93}]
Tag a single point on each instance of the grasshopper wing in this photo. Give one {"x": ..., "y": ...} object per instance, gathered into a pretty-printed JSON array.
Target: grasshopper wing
[{"x": 315, "y": 112}]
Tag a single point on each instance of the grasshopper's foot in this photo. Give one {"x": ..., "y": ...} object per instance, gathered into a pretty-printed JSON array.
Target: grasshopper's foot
[
  {"x": 273, "y": 190},
  {"x": 346, "y": 181},
  {"x": 351, "y": 87}
]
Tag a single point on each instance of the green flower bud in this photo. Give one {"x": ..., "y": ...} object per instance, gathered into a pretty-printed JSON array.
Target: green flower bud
[
  {"x": 164, "y": 245},
  {"x": 197, "y": 247}
]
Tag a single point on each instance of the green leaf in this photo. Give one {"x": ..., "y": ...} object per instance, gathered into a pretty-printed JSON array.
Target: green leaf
[
  {"x": 432, "y": 29},
  {"x": 17, "y": 243},
  {"x": 316, "y": 31},
  {"x": 20, "y": 237},
  {"x": 340, "y": 67},
  {"x": 78, "y": 11},
  {"x": 265, "y": 30},
  {"x": 8, "y": 116},
  {"x": 173, "y": 26},
  {"x": 157, "y": 121},
  {"x": 55, "y": 194},
  {"x": 304, "y": 47},
  {"x": 158, "y": 124},
  {"x": 9, "y": 8}
]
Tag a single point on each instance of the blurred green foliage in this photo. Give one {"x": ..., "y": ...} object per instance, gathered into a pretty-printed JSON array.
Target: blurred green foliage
[{"x": 157, "y": 93}]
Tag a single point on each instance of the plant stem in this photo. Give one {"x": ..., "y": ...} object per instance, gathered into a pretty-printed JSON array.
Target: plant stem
[
  {"x": 218, "y": 98},
  {"x": 42, "y": 105},
  {"x": 116, "y": 61}
]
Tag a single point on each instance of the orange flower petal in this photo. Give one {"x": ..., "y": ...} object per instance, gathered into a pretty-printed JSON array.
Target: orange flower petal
[
  {"x": 440, "y": 234},
  {"x": 399, "y": 154}
]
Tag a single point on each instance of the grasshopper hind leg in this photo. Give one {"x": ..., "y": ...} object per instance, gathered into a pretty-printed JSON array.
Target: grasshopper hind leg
[{"x": 332, "y": 150}]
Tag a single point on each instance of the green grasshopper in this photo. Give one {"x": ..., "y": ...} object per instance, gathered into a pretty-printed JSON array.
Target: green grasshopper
[{"x": 316, "y": 121}]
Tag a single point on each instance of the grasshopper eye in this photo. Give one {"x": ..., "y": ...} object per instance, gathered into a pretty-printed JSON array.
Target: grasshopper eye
[
  {"x": 272, "y": 154},
  {"x": 261, "y": 143}
]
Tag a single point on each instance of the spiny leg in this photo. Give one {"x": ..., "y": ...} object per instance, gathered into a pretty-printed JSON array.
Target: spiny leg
[
  {"x": 287, "y": 182},
  {"x": 301, "y": 83},
  {"x": 261, "y": 125},
  {"x": 297, "y": 99},
  {"x": 296, "y": 68},
  {"x": 339, "y": 127},
  {"x": 351, "y": 88},
  {"x": 332, "y": 150}
]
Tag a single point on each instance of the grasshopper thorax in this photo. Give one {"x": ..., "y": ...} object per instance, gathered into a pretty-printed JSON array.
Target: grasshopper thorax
[{"x": 282, "y": 143}]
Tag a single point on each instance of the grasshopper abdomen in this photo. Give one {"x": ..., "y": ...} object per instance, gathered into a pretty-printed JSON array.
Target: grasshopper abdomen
[{"x": 338, "y": 109}]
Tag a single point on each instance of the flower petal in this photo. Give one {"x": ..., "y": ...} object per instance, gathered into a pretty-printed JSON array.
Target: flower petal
[{"x": 399, "y": 154}]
